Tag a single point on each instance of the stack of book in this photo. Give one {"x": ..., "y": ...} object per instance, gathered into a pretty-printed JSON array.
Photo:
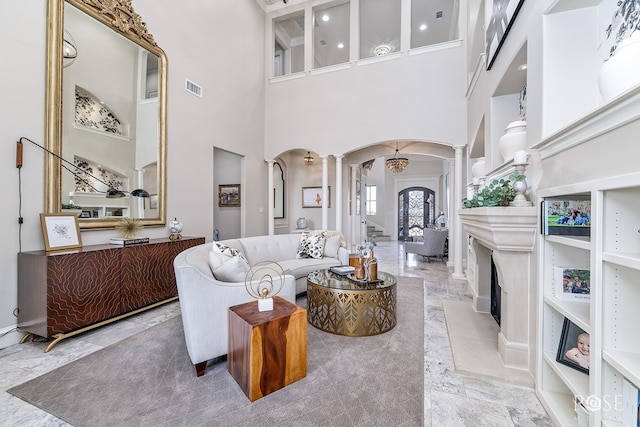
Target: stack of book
[
  {"x": 121, "y": 241},
  {"x": 342, "y": 270}
]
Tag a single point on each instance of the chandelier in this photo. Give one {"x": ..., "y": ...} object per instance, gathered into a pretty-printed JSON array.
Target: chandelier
[
  {"x": 308, "y": 160},
  {"x": 397, "y": 164}
]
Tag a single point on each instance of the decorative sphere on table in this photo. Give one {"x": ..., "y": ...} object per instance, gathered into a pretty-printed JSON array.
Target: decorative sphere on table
[{"x": 175, "y": 227}]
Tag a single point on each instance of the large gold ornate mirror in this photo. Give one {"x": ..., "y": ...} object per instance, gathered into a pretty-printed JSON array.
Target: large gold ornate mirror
[{"x": 106, "y": 113}]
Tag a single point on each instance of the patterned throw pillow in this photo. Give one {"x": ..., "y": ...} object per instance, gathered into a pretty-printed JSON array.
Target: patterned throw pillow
[
  {"x": 311, "y": 245},
  {"x": 227, "y": 250}
]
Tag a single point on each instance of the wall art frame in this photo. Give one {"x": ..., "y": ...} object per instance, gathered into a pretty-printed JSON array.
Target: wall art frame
[
  {"x": 229, "y": 195},
  {"x": 500, "y": 16},
  {"x": 312, "y": 197},
  {"x": 60, "y": 231}
]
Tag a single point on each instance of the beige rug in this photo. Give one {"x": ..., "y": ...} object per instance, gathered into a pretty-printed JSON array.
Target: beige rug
[
  {"x": 474, "y": 344},
  {"x": 148, "y": 380}
]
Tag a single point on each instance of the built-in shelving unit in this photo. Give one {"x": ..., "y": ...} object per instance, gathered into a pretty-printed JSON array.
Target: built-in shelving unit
[
  {"x": 612, "y": 254},
  {"x": 589, "y": 150}
]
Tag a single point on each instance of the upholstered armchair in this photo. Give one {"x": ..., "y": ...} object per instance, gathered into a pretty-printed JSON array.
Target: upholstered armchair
[{"x": 433, "y": 244}]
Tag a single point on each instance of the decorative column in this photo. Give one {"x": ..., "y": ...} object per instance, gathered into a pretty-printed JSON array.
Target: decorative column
[
  {"x": 271, "y": 226},
  {"x": 325, "y": 192},
  {"x": 352, "y": 201},
  {"x": 338, "y": 191},
  {"x": 457, "y": 240}
]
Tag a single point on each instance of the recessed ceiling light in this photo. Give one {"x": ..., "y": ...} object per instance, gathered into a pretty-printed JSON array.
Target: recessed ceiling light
[
  {"x": 423, "y": 27},
  {"x": 325, "y": 17},
  {"x": 522, "y": 67},
  {"x": 340, "y": 45}
]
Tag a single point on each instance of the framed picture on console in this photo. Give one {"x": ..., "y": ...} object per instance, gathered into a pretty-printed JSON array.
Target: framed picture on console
[
  {"x": 574, "y": 347},
  {"x": 60, "y": 231}
]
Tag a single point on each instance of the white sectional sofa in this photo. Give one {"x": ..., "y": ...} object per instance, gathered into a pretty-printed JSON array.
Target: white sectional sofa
[{"x": 204, "y": 300}]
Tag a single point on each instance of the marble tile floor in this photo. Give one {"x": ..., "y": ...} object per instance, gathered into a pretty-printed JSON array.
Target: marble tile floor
[{"x": 451, "y": 398}]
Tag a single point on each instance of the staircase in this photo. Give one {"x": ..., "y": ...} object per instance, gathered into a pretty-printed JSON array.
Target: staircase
[{"x": 379, "y": 236}]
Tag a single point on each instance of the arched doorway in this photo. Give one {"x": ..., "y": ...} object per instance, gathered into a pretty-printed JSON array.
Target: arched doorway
[{"x": 415, "y": 210}]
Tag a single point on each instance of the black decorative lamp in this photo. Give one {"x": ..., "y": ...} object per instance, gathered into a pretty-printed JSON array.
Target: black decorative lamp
[{"x": 112, "y": 193}]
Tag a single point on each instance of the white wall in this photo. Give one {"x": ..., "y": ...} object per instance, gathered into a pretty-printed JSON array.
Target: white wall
[
  {"x": 413, "y": 97},
  {"x": 204, "y": 43}
]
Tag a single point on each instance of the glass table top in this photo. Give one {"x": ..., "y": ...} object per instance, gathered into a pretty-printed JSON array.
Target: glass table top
[{"x": 331, "y": 280}]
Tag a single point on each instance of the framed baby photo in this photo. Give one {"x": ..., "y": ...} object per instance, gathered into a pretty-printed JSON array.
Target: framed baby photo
[{"x": 574, "y": 347}]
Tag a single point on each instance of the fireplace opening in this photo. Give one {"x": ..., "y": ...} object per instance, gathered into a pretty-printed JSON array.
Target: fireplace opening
[{"x": 495, "y": 293}]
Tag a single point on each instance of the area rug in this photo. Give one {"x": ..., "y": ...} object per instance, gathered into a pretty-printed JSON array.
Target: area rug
[{"x": 148, "y": 379}]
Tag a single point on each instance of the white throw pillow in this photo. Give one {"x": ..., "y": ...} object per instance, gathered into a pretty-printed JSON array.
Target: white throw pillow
[
  {"x": 228, "y": 269},
  {"x": 333, "y": 243},
  {"x": 311, "y": 245}
]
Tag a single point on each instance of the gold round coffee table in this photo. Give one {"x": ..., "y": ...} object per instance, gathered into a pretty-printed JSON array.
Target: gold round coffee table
[{"x": 342, "y": 306}]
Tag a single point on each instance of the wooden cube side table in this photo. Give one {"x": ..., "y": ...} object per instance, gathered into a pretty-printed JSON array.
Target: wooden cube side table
[{"x": 267, "y": 350}]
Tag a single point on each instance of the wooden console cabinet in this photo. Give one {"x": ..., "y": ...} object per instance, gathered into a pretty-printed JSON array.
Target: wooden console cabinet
[{"x": 61, "y": 294}]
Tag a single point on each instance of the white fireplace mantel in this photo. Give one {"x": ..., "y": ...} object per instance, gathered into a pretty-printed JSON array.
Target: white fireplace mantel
[
  {"x": 502, "y": 228},
  {"x": 507, "y": 235}
]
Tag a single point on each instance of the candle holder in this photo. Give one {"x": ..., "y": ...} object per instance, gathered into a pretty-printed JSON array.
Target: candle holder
[{"x": 520, "y": 186}]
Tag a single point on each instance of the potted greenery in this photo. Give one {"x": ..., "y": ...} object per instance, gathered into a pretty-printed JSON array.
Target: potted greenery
[
  {"x": 498, "y": 193},
  {"x": 72, "y": 208}
]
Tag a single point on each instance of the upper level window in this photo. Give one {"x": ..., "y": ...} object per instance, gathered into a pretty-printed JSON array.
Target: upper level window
[
  {"x": 288, "y": 36},
  {"x": 379, "y": 27},
  {"x": 433, "y": 22},
  {"x": 331, "y": 34}
]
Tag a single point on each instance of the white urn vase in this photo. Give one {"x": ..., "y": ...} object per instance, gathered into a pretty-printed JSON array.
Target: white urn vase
[
  {"x": 478, "y": 168},
  {"x": 622, "y": 71},
  {"x": 514, "y": 139}
]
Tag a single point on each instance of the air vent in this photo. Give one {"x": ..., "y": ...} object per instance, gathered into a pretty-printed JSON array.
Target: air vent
[
  {"x": 439, "y": 16},
  {"x": 193, "y": 88},
  {"x": 323, "y": 42}
]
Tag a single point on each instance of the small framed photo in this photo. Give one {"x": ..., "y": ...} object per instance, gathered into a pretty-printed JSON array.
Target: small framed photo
[
  {"x": 574, "y": 348},
  {"x": 312, "y": 197},
  {"x": 85, "y": 214},
  {"x": 60, "y": 231},
  {"x": 229, "y": 195}
]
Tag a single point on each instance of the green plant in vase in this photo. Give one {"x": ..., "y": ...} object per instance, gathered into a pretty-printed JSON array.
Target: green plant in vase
[{"x": 498, "y": 193}]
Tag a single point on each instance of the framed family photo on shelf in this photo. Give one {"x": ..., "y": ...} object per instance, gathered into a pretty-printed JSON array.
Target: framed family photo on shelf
[
  {"x": 60, "y": 231},
  {"x": 566, "y": 217},
  {"x": 574, "y": 348},
  {"x": 312, "y": 197},
  {"x": 573, "y": 284},
  {"x": 229, "y": 195}
]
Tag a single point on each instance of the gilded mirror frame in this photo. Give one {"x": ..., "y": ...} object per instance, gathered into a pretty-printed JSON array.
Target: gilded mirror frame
[{"x": 119, "y": 16}]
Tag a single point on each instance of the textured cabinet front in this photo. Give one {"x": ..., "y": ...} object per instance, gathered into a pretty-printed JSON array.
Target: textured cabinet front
[
  {"x": 82, "y": 289},
  {"x": 67, "y": 291},
  {"x": 157, "y": 280}
]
